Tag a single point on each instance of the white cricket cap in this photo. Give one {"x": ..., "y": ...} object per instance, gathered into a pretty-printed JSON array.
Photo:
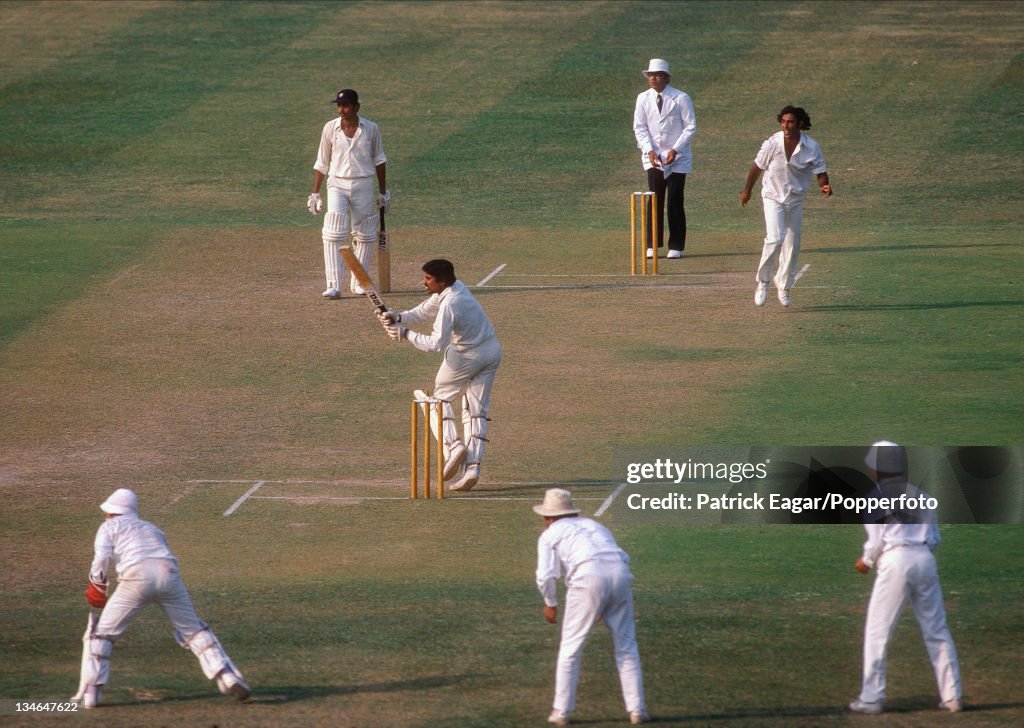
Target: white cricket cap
[
  {"x": 657, "y": 64},
  {"x": 885, "y": 456},
  {"x": 121, "y": 502},
  {"x": 557, "y": 502}
]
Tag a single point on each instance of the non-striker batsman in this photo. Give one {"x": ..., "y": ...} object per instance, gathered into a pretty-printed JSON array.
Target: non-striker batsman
[{"x": 351, "y": 154}]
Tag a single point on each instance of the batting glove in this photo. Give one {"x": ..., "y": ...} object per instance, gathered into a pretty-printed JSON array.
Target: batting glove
[
  {"x": 389, "y": 317},
  {"x": 384, "y": 201},
  {"x": 96, "y": 595},
  {"x": 396, "y": 332},
  {"x": 314, "y": 204}
]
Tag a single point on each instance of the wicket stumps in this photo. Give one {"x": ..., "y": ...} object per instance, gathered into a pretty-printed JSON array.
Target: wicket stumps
[
  {"x": 642, "y": 211},
  {"x": 429, "y": 407}
]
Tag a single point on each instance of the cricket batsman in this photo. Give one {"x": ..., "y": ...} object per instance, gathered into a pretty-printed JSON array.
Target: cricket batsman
[
  {"x": 461, "y": 330},
  {"x": 350, "y": 157},
  {"x": 147, "y": 573}
]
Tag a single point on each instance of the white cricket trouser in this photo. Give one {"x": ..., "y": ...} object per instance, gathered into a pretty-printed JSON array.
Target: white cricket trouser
[
  {"x": 472, "y": 370},
  {"x": 148, "y": 582},
  {"x": 599, "y": 589},
  {"x": 908, "y": 573},
  {"x": 781, "y": 242},
  {"x": 355, "y": 201}
]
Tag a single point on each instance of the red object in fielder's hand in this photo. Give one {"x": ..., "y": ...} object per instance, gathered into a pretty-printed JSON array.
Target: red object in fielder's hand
[{"x": 96, "y": 596}]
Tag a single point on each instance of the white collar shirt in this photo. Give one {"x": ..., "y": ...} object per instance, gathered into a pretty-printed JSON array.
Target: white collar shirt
[
  {"x": 124, "y": 541},
  {"x": 567, "y": 544},
  {"x": 673, "y": 127},
  {"x": 341, "y": 157},
  {"x": 786, "y": 181},
  {"x": 458, "y": 320}
]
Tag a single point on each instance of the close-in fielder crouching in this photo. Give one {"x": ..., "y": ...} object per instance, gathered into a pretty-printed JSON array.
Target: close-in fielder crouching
[
  {"x": 472, "y": 354},
  {"x": 147, "y": 573}
]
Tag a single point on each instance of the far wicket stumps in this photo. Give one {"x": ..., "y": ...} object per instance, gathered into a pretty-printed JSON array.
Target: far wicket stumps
[
  {"x": 429, "y": 407},
  {"x": 642, "y": 211}
]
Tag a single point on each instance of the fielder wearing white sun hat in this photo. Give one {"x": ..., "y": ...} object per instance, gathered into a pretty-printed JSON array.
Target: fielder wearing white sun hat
[
  {"x": 886, "y": 456},
  {"x": 657, "y": 65},
  {"x": 557, "y": 502},
  {"x": 121, "y": 502}
]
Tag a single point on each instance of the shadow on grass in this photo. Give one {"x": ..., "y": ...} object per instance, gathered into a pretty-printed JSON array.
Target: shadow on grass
[
  {"x": 909, "y": 306},
  {"x": 904, "y": 707},
  {"x": 279, "y": 694}
]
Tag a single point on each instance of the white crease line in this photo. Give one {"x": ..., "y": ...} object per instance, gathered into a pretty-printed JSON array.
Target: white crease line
[
  {"x": 608, "y": 501},
  {"x": 494, "y": 272},
  {"x": 802, "y": 271},
  {"x": 238, "y": 503}
]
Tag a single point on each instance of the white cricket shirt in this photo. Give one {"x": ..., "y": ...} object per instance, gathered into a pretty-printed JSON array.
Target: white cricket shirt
[
  {"x": 127, "y": 540},
  {"x": 343, "y": 158},
  {"x": 459, "y": 320},
  {"x": 786, "y": 182},
  {"x": 567, "y": 544},
  {"x": 884, "y": 537}
]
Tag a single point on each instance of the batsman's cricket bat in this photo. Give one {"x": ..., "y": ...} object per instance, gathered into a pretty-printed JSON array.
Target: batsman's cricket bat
[
  {"x": 90, "y": 626},
  {"x": 369, "y": 290},
  {"x": 383, "y": 256}
]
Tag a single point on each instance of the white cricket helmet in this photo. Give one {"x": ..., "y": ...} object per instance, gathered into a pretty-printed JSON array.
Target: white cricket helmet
[
  {"x": 122, "y": 501},
  {"x": 657, "y": 64}
]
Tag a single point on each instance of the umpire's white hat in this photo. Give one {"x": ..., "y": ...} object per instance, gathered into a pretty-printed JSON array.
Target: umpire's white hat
[
  {"x": 120, "y": 502},
  {"x": 557, "y": 502},
  {"x": 885, "y": 456},
  {"x": 657, "y": 65}
]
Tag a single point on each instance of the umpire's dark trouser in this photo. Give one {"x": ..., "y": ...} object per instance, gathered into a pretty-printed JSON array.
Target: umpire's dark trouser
[{"x": 673, "y": 188}]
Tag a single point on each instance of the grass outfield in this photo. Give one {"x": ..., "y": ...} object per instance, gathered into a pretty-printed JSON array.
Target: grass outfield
[{"x": 161, "y": 326}]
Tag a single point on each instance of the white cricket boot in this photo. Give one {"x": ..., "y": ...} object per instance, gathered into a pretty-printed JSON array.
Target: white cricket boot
[
  {"x": 231, "y": 684},
  {"x": 468, "y": 480},
  {"x": 93, "y": 696},
  {"x": 761, "y": 294},
  {"x": 557, "y": 717},
  {"x": 456, "y": 457},
  {"x": 860, "y": 706}
]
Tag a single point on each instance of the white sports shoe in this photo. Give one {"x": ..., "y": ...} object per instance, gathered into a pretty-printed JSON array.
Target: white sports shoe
[
  {"x": 468, "y": 480},
  {"x": 650, "y": 252},
  {"x": 558, "y": 718},
  {"x": 331, "y": 293},
  {"x": 953, "y": 706},
  {"x": 93, "y": 696},
  {"x": 674, "y": 254},
  {"x": 231, "y": 684},
  {"x": 639, "y": 716},
  {"x": 456, "y": 457},
  {"x": 761, "y": 294},
  {"x": 784, "y": 296},
  {"x": 859, "y": 706}
]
